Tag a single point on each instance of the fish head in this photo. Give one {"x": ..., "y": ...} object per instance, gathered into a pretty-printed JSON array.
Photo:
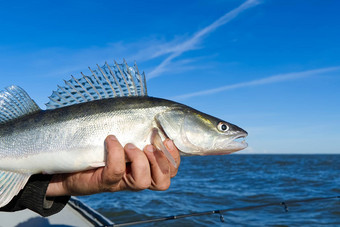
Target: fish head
[{"x": 196, "y": 133}]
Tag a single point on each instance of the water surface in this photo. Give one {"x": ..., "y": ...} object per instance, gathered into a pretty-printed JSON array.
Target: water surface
[{"x": 232, "y": 181}]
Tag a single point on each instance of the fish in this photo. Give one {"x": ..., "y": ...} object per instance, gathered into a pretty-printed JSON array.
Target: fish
[{"x": 68, "y": 136}]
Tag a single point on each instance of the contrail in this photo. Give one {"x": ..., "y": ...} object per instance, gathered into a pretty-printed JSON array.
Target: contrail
[
  {"x": 191, "y": 43},
  {"x": 267, "y": 80}
]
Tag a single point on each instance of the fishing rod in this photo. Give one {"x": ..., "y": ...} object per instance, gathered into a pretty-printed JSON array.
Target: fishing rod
[{"x": 283, "y": 204}]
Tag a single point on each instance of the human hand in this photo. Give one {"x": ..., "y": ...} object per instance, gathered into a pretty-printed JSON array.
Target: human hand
[{"x": 126, "y": 168}]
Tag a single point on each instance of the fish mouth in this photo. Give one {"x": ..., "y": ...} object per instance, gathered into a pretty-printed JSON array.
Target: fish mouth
[
  {"x": 241, "y": 137},
  {"x": 238, "y": 142},
  {"x": 234, "y": 144}
]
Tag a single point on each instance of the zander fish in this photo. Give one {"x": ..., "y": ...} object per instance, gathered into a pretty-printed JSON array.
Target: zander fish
[{"x": 68, "y": 136}]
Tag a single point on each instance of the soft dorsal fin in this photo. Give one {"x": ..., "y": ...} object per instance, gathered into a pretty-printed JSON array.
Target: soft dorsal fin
[
  {"x": 15, "y": 103},
  {"x": 104, "y": 82}
]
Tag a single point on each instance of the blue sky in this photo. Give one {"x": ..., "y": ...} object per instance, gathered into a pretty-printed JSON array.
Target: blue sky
[{"x": 271, "y": 67}]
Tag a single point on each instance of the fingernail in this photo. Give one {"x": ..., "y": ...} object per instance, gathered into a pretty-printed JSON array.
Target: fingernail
[
  {"x": 130, "y": 146},
  {"x": 169, "y": 144},
  {"x": 149, "y": 148}
]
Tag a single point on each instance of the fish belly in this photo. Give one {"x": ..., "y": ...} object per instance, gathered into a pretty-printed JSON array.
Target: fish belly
[{"x": 71, "y": 145}]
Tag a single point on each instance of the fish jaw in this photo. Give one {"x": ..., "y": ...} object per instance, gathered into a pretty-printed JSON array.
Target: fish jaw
[
  {"x": 224, "y": 146},
  {"x": 219, "y": 145}
]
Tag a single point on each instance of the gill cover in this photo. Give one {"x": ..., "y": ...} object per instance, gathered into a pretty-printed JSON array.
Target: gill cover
[{"x": 191, "y": 133}]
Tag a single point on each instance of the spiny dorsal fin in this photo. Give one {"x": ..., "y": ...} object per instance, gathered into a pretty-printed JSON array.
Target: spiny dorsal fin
[
  {"x": 104, "y": 82},
  {"x": 15, "y": 103}
]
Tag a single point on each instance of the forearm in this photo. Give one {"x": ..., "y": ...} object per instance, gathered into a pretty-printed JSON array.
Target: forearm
[{"x": 33, "y": 197}]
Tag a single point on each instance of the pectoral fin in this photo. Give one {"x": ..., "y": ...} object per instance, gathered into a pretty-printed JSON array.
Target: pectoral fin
[
  {"x": 156, "y": 140},
  {"x": 10, "y": 185}
]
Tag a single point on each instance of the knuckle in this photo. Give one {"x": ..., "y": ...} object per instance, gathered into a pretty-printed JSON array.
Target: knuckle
[
  {"x": 143, "y": 184},
  {"x": 113, "y": 177},
  {"x": 109, "y": 180},
  {"x": 163, "y": 186},
  {"x": 118, "y": 172},
  {"x": 142, "y": 166},
  {"x": 111, "y": 189}
]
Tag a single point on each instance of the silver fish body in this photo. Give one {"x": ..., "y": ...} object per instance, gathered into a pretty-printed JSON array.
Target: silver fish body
[
  {"x": 70, "y": 139},
  {"x": 69, "y": 136}
]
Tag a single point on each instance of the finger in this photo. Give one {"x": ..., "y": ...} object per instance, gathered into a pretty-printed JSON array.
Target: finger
[
  {"x": 140, "y": 177},
  {"x": 160, "y": 168},
  {"x": 114, "y": 169},
  {"x": 175, "y": 154}
]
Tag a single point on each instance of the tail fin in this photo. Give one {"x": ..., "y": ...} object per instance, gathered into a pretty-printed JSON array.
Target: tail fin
[{"x": 14, "y": 103}]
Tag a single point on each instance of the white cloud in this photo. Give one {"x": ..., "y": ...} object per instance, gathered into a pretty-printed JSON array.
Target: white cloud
[
  {"x": 56, "y": 61},
  {"x": 192, "y": 42},
  {"x": 61, "y": 62},
  {"x": 267, "y": 80}
]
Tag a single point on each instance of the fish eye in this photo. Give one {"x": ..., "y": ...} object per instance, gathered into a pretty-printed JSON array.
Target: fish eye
[{"x": 223, "y": 127}]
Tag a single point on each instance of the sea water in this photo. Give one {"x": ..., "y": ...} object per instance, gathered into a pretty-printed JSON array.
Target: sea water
[{"x": 233, "y": 181}]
